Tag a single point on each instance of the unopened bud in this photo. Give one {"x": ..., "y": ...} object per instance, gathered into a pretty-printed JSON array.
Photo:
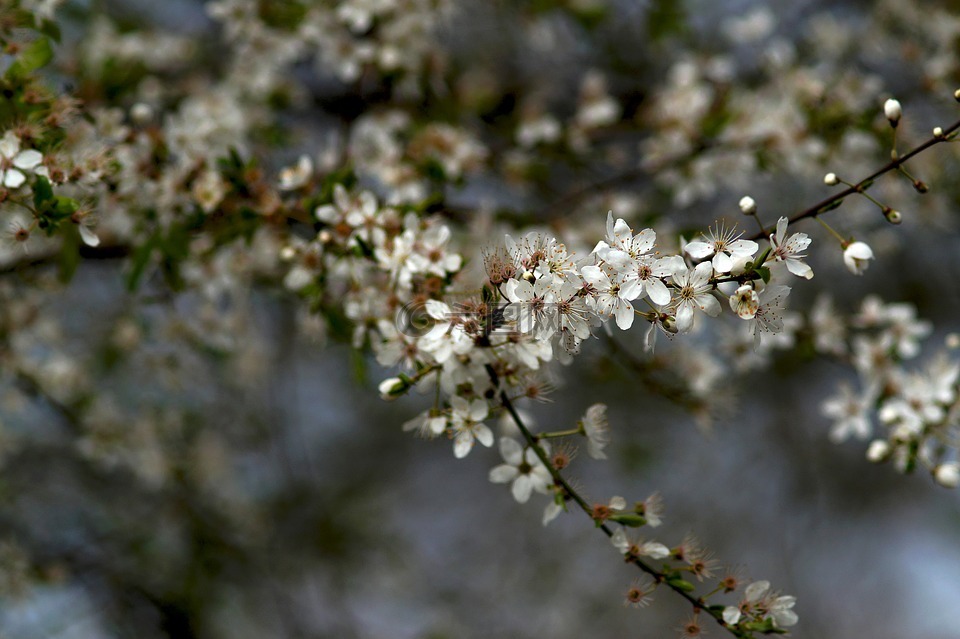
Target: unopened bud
[
  {"x": 920, "y": 186},
  {"x": 831, "y": 179},
  {"x": 893, "y": 111},
  {"x": 669, "y": 324},
  {"x": 392, "y": 388},
  {"x": 938, "y": 132},
  {"x": 893, "y": 216},
  {"x": 953, "y": 341},
  {"x": 748, "y": 205},
  {"x": 947, "y": 475},
  {"x": 878, "y": 451},
  {"x": 141, "y": 113},
  {"x": 956, "y": 95}
]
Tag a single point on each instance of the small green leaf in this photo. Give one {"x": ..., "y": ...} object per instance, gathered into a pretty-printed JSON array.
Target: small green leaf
[
  {"x": 140, "y": 259},
  {"x": 680, "y": 584},
  {"x": 42, "y": 192},
  {"x": 35, "y": 55},
  {"x": 629, "y": 519},
  {"x": 69, "y": 258},
  {"x": 50, "y": 29}
]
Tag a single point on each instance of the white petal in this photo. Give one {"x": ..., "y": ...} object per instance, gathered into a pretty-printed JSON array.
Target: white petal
[
  {"x": 522, "y": 488},
  {"x": 89, "y": 237},
  {"x": 503, "y": 473},
  {"x": 658, "y": 291},
  {"x": 551, "y": 512},
  {"x": 462, "y": 444},
  {"x": 799, "y": 268},
  {"x": 756, "y": 590},
  {"x": 698, "y": 249},
  {"x": 625, "y": 315},
  {"x": 28, "y": 159},
  {"x": 684, "y": 318},
  {"x": 631, "y": 289},
  {"x": 483, "y": 434},
  {"x": 731, "y": 614},
  {"x": 709, "y": 304},
  {"x": 9, "y": 145},
  {"x": 511, "y": 451},
  {"x": 13, "y": 179},
  {"x": 722, "y": 262}
]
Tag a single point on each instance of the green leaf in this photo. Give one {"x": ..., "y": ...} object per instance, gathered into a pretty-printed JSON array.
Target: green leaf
[
  {"x": 666, "y": 18},
  {"x": 42, "y": 192},
  {"x": 69, "y": 258},
  {"x": 35, "y": 55},
  {"x": 50, "y": 29},
  {"x": 140, "y": 259}
]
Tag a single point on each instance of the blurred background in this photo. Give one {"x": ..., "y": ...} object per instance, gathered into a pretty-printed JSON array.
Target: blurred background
[{"x": 258, "y": 488}]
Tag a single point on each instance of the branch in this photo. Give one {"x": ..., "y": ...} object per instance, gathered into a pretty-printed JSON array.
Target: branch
[
  {"x": 659, "y": 577},
  {"x": 833, "y": 201}
]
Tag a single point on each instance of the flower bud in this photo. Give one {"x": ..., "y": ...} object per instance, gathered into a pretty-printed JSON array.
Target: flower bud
[
  {"x": 141, "y": 113},
  {"x": 947, "y": 475},
  {"x": 745, "y": 302},
  {"x": 857, "y": 256},
  {"x": 392, "y": 388},
  {"x": 938, "y": 132},
  {"x": 878, "y": 451},
  {"x": 669, "y": 324},
  {"x": 953, "y": 341},
  {"x": 748, "y": 205},
  {"x": 831, "y": 179},
  {"x": 893, "y": 216},
  {"x": 956, "y": 95},
  {"x": 893, "y": 111}
]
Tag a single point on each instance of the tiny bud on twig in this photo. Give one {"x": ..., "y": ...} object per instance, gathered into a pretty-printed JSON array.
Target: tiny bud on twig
[
  {"x": 947, "y": 475},
  {"x": 748, "y": 205},
  {"x": 938, "y": 132},
  {"x": 920, "y": 186},
  {"x": 893, "y": 111},
  {"x": 831, "y": 179},
  {"x": 956, "y": 95},
  {"x": 893, "y": 216},
  {"x": 878, "y": 451}
]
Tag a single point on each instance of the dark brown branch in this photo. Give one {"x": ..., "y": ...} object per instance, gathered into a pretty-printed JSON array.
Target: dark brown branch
[{"x": 825, "y": 205}]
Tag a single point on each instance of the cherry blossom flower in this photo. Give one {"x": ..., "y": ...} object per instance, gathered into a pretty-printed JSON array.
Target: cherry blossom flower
[
  {"x": 768, "y": 318},
  {"x": 723, "y": 245},
  {"x": 609, "y": 297},
  {"x": 14, "y": 162},
  {"x": 644, "y": 278},
  {"x": 467, "y": 421},
  {"x": 789, "y": 251},
  {"x": 694, "y": 291},
  {"x": 523, "y": 468},
  {"x": 596, "y": 429},
  {"x": 857, "y": 256},
  {"x": 849, "y": 412},
  {"x": 531, "y": 306}
]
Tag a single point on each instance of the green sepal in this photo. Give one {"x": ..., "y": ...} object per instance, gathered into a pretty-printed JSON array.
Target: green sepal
[
  {"x": 765, "y": 626},
  {"x": 829, "y": 207},
  {"x": 680, "y": 584},
  {"x": 629, "y": 519},
  {"x": 488, "y": 294}
]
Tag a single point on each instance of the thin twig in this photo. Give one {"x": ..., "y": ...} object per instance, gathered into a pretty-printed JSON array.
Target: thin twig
[{"x": 824, "y": 205}]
